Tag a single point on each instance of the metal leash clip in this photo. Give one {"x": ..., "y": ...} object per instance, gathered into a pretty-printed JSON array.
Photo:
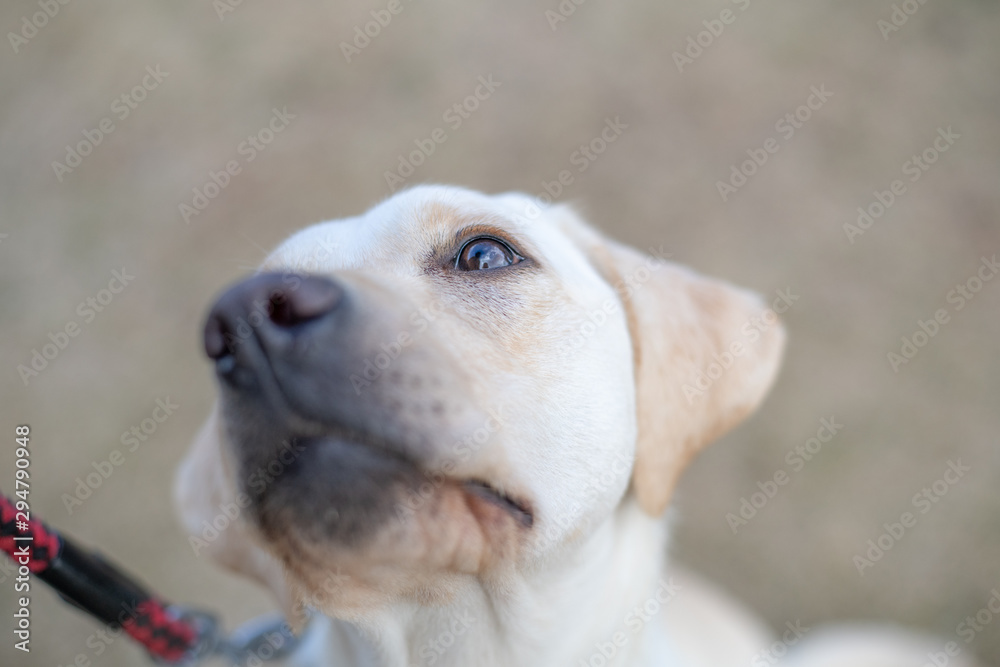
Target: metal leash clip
[
  {"x": 257, "y": 641},
  {"x": 209, "y": 635}
]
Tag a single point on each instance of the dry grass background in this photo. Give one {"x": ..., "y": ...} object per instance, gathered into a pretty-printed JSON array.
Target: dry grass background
[{"x": 656, "y": 185}]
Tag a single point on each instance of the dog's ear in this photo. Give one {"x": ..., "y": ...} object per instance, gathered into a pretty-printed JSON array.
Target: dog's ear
[{"x": 705, "y": 355}]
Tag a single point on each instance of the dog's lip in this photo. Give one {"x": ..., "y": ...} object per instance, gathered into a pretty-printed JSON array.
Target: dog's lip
[
  {"x": 516, "y": 508},
  {"x": 519, "y": 510}
]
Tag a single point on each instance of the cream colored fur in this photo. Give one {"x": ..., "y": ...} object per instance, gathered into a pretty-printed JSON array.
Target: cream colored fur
[{"x": 588, "y": 362}]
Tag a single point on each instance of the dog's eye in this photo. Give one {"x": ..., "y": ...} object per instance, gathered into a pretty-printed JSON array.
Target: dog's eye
[{"x": 485, "y": 253}]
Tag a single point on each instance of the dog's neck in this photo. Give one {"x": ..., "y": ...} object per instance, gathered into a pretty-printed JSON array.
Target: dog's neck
[{"x": 597, "y": 605}]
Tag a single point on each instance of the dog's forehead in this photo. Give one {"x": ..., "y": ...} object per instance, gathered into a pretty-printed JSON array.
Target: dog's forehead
[{"x": 397, "y": 235}]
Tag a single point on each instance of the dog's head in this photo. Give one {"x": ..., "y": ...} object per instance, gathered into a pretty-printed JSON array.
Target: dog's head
[{"x": 453, "y": 388}]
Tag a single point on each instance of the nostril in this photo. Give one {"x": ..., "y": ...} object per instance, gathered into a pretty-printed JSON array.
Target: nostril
[
  {"x": 280, "y": 311},
  {"x": 262, "y": 306},
  {"x": 309, "y": 299},
  {"x": 215, "y": 338}
]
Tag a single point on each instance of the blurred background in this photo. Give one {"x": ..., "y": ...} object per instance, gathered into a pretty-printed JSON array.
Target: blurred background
[{"x": 115, "y": 114}]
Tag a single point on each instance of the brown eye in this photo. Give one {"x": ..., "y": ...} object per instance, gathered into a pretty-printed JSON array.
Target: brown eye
[{"x": 485, "y": 253}]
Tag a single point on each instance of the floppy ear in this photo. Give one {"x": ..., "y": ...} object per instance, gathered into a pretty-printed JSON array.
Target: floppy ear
[{"x": 705, "y": 355}]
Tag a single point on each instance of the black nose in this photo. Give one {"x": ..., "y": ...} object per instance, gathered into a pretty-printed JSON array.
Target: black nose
[{"x": 267, "y": 307}]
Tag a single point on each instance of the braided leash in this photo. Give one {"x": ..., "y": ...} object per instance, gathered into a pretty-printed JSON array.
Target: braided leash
[
  {"x": 88, "y": 582},
  {"x": 171, "y": 635}
]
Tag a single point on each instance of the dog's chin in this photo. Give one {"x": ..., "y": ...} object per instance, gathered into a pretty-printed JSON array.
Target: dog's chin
[
  {"x": 345, "y": 489},
  {"x": 373, "y": 524},
  {"x": 333, "y": 489}
]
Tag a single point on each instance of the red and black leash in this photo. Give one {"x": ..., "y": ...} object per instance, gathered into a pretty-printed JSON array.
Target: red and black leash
[
  {"x": 85, "y": 580},
  {"x": 170, "y": 635}
]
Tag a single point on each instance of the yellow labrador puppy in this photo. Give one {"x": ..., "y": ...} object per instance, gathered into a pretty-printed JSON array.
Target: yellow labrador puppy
[{"x": 450, "y": 429}]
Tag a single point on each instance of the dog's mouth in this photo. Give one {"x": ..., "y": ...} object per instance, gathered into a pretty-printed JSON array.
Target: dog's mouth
[
  {"x": 349, "y": 488},
  {"x": 341, "y": 482},
  {"x": 518, "y": 509}
]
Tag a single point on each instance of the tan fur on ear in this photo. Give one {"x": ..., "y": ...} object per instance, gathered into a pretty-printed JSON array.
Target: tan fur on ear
[{"x": 704, "y": 355}]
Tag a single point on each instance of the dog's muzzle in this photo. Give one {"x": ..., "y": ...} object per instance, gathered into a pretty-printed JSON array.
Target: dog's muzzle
[{"x": 313, "y": 449}]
